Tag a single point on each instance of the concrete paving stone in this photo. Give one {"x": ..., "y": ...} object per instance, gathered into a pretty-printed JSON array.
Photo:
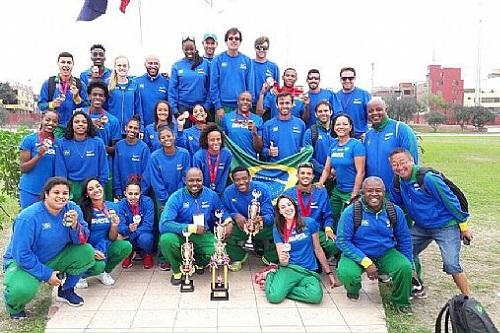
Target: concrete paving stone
[
  {"x": 279, "y": 316},
  {"x": 326, "y": 302},
  {"x": 194, "y": 329},
  {"x": 247, "y": 329},
  {"x": 95, "y": 288},
  {"x": 196, "y": 318},
  {"x": 363, "y": 316},
  {"x": 143, "y": 276},
  {"x": 117, "y": 319},
  {"x": 197, "y": 300},
  {"x": 364, "y": 301},
  {"x": 262, "y": 302},
  {"x": 120, "y": 302},
  {"x": 321, "y": 317},
  {"x": 106, "y": 330},
  {"x": 329, "y": 329},
  {"x": 238, "y": 301},
  {"x": 160, "y": 276},
  {"x": 91, "y": 304},
  {"x": 129, "y": 289},
  {"x": 155, "y": 318},
  {"x": 159, "y": 302},
  {"x": 284, "y": 329},
  {"x": 237, "y": 317},
  {"x": 164, "y": 288},
  {"x": 369, "y": 328},
  {"x": 64, "y": 320},
  {"x": 150, "y": 329},
  {"x": 64, "y": 330}
]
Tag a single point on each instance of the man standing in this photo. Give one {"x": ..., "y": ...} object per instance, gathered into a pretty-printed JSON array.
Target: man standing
[
  {"x": 243, "y": 127},
  {"x": 264, "y": 70},
  {"x": 283, "y": 135},
  {"x": 63, "y": 93},
  {"x": 385, "y": 135},
  {"x": 153, "y": 87},
  {"x": 209, "y": 45},
  {"x": 437, "y": 213},
  {"x": 190, "y": 209},
  {"x": 97, "y": 71},
  {"x": 236, "y": 199},
  {"x": 313, "y": 202},
  {"x": 316, "y": 95},
  {"x": 374, "y": 238},
  {"x": 231, "y": 73},
  {"x": 354, "y": 101}
]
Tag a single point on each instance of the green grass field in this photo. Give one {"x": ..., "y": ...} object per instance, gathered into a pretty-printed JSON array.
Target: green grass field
[{"x": 473, "y": 163}]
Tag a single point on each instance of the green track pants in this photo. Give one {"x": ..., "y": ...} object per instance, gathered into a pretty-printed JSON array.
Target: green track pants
[
  {"x": 117, "y": 251},
  {"x": 236, "y": 252}
]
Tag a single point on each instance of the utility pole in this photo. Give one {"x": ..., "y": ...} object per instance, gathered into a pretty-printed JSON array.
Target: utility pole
[
  {"x": 373, "y": 77},
  {"x": 477, "y": 98}
]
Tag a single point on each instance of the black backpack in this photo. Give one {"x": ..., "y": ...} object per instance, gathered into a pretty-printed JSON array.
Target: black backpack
[
  {"x": 52, "y": 87},
  {"x": 464, "y": 204},
  {"x": 466, "y": 315},
  {"x": 314, "y": 134},
  {"x": 357, "y": 214}
]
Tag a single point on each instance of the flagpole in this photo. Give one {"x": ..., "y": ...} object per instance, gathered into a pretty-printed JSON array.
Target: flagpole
[{"x": 140, "y": 20}]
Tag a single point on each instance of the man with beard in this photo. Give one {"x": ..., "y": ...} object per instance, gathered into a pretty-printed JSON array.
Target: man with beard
[
  {"x": 231, "y": 73},
  {"x": 379, "y": 244},
  {"x": 313, "y": 202},
  {"x": 283, "y": 135},
  {"x": 243, "y": 127},
  {"x": 316, "y": 95},
  {"x": 236, "y": 199},
  {"x": 267, "y": 107},
  {"x": 97, "y": 71},
  {"x": 385, "y": 135},
  {"x": 354, "y": 101},
  {"x": 153, "y": 87},
  {"x": 209, "y": 45},
  {"x": 190, "y": 209},
  {"x": 63, "y": 93}
]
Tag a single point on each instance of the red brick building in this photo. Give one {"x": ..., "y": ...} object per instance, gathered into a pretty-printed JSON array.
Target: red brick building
[{"x": 448, "y": 83}]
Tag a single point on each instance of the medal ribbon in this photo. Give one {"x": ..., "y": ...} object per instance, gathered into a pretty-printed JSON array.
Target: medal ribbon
[
  {"x": 305, "y": 209},
  {"x": 134, "y": 209},
  {"x": 63, "y": 87},
  {"x": 213, "y": 169},
  {"x": 288, "y": 232},
  {"x": 41, "y": 137}
]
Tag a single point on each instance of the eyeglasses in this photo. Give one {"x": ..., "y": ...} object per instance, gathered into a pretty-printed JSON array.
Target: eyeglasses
[
  {"x": 262, "y": 48},
  {"x": 233, "y": 38},
  {"x": 189, "y": 37},
  {"x": 345, "y": 78},
  {"x": 305, "y": 165},
  {"x": 399, "y": 164}
]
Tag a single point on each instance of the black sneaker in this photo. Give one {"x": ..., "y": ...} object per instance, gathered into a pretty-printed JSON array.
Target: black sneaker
[
  {"x": 69, "y": 296},
  {"x": 176, "y": 279},
  {"x": 353, "y": 297},
  {"x": 405, "y": 309},
  {"x": 18, "y": 316},
  {"x": 200, "y": 270},
  {"x": 418, "y": 292}
]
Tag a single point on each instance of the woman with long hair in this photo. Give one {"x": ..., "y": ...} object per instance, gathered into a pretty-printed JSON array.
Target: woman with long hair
[
  {"x": 213, "y": 159},
  {"x": 297, "y": 244},
  {"x": 103, "y": 220},
  {"x": 124, "y": 96},
  {"x": 80, "y": 155},
  {"x": 346, "y": 158},
  {"x": 190, "y": 138},
  {"x": 162, "y": 117},
  {"x": 37, "y": 159},
  {"x": 49, "y": 238},
  {"x": 131, "y": 157},
  {"x": 136, "y": 213}
]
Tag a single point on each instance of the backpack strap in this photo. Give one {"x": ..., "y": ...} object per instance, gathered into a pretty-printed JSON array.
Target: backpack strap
[
  {"x": 396, "y": 183},
  {"x": 439, "y": 319},
  {"x": 391, "y": 213},
  {"x": 52, "y": 88},
  {"x": 314, "y": 134},
  {"x": 357, "y": 215}
]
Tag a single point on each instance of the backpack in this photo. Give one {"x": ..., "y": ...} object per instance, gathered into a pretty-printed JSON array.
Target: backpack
[
  {"x": 464, "y": 204},
  {"x": 466, "y": 315},
  {"x": 52, "y": 87},
  {"x": 314, "y": 134},
  {"x": 357, "y": 214}
]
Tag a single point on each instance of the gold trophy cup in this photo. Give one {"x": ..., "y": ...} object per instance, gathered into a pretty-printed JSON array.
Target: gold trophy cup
[
  {"x": 251, "y": 229},
  {"x": 187, "y": 266},
  {"x": 219, "y": 263}
]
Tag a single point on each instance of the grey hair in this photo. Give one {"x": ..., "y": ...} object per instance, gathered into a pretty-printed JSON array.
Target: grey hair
[{"x": 373, "y": 179}]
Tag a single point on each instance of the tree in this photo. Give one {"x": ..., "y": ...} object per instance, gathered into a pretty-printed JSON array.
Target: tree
[
  {"x": 403, "y": 109},
  {"x": 481, "y": 116},
  {"x": 435, "y": 119},
  {"x": 7, "y": 94},
  {"x": 462, "y": 114}
]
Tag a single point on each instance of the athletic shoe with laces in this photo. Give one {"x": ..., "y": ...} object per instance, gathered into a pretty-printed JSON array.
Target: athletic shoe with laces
[
  {"x": 384, "y": 278},
  {"x": 418, "y": 292},
  {"x": 176, "y": 279},
  {"x": 82, "y": 284},
  {"x": 69, "y": 296},
  {"x": 105, "y": 279},
  {"x": 127, "y": 262},
  {"x": 148, "y": 261},
  {"x": 405, "y": 309},
  {"x": 200, "y": 270},
  {"x": 164, "y": 266},
  {"x": 353, "y": 297},
  {"x": 236, "y": 266},
  {"x": 18, "y": 316}
]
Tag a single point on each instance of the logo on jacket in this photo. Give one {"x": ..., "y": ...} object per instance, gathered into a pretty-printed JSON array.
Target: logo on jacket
[
  {"x": 365, "y": 223},
  {"x": 357, "y": 101},
  {"x": 243, "y": 66},
  {"x": 388, "y": 136},
  {"x": 46, "y": 226},
  {"x": 185, "y": 205},
  {"x": 223, "y": 64},
  {"x": 204, "y": 204},
  {"x": 66, "y": 152}
]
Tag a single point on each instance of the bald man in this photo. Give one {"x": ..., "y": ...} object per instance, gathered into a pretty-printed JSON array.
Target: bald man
[
  {"x": 153, "y": 87},
  {"x": 190, "y": 209},
  {"x": 385, "y": 135}
]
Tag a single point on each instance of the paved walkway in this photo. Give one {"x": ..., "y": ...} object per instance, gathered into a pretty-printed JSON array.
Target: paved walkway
[{"x": 144, "y": 301}]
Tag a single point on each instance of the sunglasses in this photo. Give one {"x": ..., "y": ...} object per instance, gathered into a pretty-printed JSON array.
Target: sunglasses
[
  {"x": 185, "y": 38},
  {"x": 233, "y": 38},
  {"x": 261, "y": 48},
  {"x": 345, "y": 78}
]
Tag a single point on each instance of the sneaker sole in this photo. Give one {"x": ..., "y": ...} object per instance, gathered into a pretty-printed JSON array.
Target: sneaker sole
[{"x": 64, "y": 300}]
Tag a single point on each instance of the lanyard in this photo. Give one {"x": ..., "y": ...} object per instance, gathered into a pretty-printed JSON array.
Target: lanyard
[
  {"x": 134, "y": 209},
  {"x": 41, "y": 138},
  {"x": 288, "y": 232},
  {"x": 213, "y": 169},
  {"x": 305, "y": 209},
  {"x": 63, "y": 87}
]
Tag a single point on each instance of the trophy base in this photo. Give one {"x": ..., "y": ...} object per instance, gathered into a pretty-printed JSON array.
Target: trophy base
[
  {"x": 219, "y": 293},
  {"x": 248, "y": 246},
  {"x": 187, "y": 287}
]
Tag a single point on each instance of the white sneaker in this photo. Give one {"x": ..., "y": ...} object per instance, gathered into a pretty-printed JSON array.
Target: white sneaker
[
  {"x": 82, "y": 284},
  {"x": 106, "y": 279}
]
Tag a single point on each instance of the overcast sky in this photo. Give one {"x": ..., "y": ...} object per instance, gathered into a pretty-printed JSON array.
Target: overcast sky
[{"x": 399, "y": 37}]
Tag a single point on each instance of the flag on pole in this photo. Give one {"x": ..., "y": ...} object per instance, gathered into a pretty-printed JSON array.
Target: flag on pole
[
  {"x": 92, "y": 9},
  {"x": 123, "y": 5},
  {"x": 279, "y": 175}
]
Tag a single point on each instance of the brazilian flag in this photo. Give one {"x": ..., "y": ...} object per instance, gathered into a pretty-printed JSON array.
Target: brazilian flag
[{"x": 279, "y": 175}]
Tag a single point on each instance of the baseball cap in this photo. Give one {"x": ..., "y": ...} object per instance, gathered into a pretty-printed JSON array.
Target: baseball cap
[{"x": 209, "y": 35}]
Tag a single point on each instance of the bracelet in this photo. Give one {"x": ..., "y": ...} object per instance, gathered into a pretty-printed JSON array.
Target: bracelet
[{"x": 329, "y": 273}]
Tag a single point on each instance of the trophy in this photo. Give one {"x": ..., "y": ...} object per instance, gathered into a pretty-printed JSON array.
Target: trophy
[
  {"x": 187, "y": 266},
  {"x": 253, "y": 211},
  {"x": 219, "y": 263}
]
